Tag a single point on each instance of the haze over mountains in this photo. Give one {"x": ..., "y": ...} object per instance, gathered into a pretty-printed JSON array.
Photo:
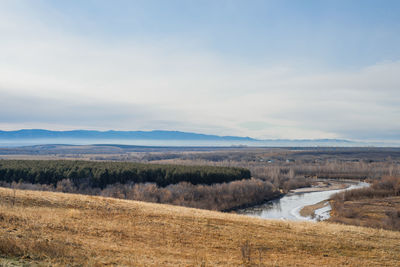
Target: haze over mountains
[
  {"x": 141, "y": 135},
  {"x": 151, "y": 138}
]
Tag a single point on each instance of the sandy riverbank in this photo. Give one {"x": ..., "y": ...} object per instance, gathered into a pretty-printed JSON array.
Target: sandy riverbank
[
  {"x": 309, "y": 211},
  {"x": 323, "y": 186}
]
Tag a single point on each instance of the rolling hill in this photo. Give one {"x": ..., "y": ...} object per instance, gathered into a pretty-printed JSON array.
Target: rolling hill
[{"x": 46, "y": 228}]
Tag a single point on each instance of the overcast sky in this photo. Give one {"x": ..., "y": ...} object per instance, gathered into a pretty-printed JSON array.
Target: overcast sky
[{"x": 265, "y": 69}]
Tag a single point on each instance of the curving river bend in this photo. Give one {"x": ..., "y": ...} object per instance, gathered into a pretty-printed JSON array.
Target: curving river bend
[{"x": 289, "y": 206}]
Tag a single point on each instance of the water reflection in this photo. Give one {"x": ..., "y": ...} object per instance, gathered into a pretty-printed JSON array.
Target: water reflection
[{"x": 289, "y": 206}]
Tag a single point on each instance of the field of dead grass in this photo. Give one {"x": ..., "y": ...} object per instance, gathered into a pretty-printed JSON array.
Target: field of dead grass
[
  {"x": 47, "y": 228},
  {"x": 374, "y": 212}
]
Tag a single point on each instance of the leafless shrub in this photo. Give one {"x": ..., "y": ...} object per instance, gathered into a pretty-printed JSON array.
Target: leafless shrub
[
  {"x": 66, "y": 186},
  {"x": 215, "y": 197},
  {"x": 348, "y": 206},
  {"x": 387, "y": 186},
  {"x": 245, "y": 250},
  {"x": 28, "y": 186},
  {"x": 393, "y": 219}
]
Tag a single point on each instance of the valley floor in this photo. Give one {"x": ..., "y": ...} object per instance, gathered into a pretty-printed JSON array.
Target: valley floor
[
  {"x": 371, "y": 212},
  {"x": 47, "y": 228}
]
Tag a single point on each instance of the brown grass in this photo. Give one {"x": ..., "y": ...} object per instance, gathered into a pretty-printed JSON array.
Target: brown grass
[
  {"x": 375, "y": 206},
  {"x": 375, "y": 212},
  {"x": 60, "y": 229},
  {"x": 309, "y": 211}
]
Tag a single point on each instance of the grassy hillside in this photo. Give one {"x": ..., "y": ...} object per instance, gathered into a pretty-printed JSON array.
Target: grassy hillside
[{"x": 55, "y": 228}]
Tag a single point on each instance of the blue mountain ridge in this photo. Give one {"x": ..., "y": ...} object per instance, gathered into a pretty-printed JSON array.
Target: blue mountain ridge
[
  {"x": 142, "y": 135},
  {"x": 139, "y": 135}
]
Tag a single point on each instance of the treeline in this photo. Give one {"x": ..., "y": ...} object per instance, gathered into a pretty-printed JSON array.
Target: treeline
[
  {"x": 349, "y": 170},
  {"x": 101, "y": 174},
  {"x": 386, "y": 187},
  {"x": 223, "y": 196},
  {"x": 300, "y": 173}
]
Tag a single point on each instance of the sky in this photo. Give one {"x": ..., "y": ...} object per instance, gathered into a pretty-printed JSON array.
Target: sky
[{"x": 265, "y": 69}]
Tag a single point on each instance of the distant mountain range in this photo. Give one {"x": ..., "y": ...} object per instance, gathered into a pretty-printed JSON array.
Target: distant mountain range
[
  {"x": 133, "y": 135},
  {"x": 129, "y": 137}
]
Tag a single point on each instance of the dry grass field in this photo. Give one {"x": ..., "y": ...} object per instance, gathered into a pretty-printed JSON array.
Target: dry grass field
[
  {"x": 374, "y": 212},
  {"x": 46, "y": 228},
  {"x": 376, "y": 206}
]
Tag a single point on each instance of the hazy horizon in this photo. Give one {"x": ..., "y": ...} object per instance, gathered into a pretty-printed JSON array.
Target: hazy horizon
[{"x": 33, "y": 137}]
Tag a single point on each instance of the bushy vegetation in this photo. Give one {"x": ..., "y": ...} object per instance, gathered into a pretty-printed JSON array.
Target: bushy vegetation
[
  {"x": 204, "y": 179},
  {"x": 375, "y": 206},
  {"x": 224, "y": 196},
  {"x": 101, "y": 174},
  {"x": 339, "y": 169},
  {"x": 281, "y": 165},
  {"x": 385, "y": 187}
]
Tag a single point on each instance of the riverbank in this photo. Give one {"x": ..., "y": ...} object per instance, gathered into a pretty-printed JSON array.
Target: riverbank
[
  {"x": 305, "y": 204},
  {"x": 252, "y": 204},
  {"x": 318, "y": 187},
  {"x": 309, "y": 211},
  {"x": 324, "y": 185}
]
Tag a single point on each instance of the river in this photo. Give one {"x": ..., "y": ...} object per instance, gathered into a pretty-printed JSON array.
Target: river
[{"x": 289, "y": 206}]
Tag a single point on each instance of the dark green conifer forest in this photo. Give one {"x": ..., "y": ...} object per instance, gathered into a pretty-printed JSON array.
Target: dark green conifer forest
[{"x": 101, "y": 174}]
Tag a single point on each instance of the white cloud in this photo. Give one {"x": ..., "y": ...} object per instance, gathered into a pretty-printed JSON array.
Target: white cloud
[{"x": 54, "y": 78}]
